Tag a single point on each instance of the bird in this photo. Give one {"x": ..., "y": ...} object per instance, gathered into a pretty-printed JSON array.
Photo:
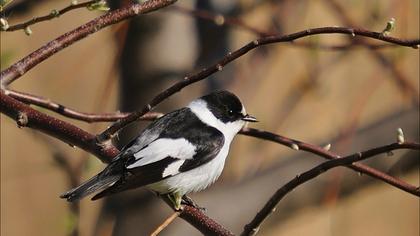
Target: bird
[{"x": 183, "y": 151}]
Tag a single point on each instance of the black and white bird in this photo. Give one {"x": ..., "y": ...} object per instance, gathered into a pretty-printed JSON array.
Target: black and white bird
[{"x": 184, "y": 151}]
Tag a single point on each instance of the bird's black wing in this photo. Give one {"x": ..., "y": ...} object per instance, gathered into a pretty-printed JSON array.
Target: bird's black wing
[{"x": 184, "y": 143}]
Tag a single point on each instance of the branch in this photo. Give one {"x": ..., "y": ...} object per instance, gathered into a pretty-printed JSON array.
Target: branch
[
  {"x": 68, "y": 133},
  {"x": 53, "y": 14},
  {"x": 24, "y": 65},
  {"x": 202, "y": 222},
  {"x": 220, "y": 20},
  {"x": 71, "y": 113},
  {"x": 319, "y": 151},
  {"x": 269, "y": 207},
  {"x": 91, "y": 117},
  {"x": 108, "y": 133}
]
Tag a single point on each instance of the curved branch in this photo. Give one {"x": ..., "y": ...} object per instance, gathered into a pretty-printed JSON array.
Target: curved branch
[
  {"x": 24, "y": 65},
  {"x": 68, "y": 133},
  {"x": 319, "y": 151},
  {"x": 71, "y": 113},
  {"x": 220, "y": 20},
  {"x": 49, "y": 16},
  {"x": 269, "y": 207},
  {"x": 108, "y": 133}
]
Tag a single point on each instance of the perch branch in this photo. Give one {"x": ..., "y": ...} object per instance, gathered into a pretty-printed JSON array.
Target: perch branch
[
  {"x": 51, "y": 15},
  {"x": 28, "y": 62},
  {"x": 269, "y": 207},
  {"x": 90, "y": 117}
]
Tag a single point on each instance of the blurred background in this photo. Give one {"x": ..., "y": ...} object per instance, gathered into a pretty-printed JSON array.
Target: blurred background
[{"x": 322, "y": 89}]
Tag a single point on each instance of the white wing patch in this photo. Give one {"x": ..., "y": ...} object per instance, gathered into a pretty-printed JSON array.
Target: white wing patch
[
  {"x": 162, "y": 148},
  {"x": 172, "y": 168}
]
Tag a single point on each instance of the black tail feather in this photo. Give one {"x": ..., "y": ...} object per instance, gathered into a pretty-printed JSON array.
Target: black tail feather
[{"x": 94, "y": 184}]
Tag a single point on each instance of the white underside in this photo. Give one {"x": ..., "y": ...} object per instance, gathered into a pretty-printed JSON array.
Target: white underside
[
  {"x": 201, "y": 177},
  {"x": 193, "y": 180}
]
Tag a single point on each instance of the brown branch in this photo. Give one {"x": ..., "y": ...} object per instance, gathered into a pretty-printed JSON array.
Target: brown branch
[
  {"x": 68, "y": 133},
  {"x": 201, "y": 222},
  {"x": 220, "y": 20},
  {"x": 90, "y": 117},
  {"x": 71, "y": 113},
  {"x": 51, "y": 15},
  {"x": 319, "y": 151},
  {"x": 108, "y": 133},
  {"x": 269, "y": 207},
  {"x": 28, "y": 62}
]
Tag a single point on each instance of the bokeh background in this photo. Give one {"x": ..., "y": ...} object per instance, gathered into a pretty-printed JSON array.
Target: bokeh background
[{"x": 311, "y": 92}]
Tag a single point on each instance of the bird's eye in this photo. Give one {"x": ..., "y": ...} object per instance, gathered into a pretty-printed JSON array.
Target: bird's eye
[{"x": 230, "y": 112}]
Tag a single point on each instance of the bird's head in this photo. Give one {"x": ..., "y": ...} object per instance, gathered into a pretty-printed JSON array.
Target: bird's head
[{"x": 223, "y": 110}]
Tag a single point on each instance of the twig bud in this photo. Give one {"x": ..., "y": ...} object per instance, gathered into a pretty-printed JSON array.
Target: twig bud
[
  {"x": 219, "y": 20},
  {"x": 390, "y": 25},
  {"x": 22, "y": 120},
  {"x": 55, "y": 13},
  {"x": 4, "y": 24},
  {"x": 28, "y": 31},
  {"x": 98, "y": 6},
  {"x": 400, "y": 136},
  {"x": 295, "y": 146},
  {"x": 327, "y": 147}
]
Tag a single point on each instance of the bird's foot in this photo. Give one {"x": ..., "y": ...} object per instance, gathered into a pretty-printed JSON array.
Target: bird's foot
[{"x": 189, "y": 202}]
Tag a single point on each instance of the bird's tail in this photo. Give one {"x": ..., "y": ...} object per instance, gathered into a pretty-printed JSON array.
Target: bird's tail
[{"x": 97, "y": 182}]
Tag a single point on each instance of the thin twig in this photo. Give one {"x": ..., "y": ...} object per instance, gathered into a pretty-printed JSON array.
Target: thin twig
[
  {"x": 319, "y": 151},
  {"x": 270, "y": 206},
  {"x": 51, "y": 15},
  {"x": 24, "y": 65},
  {"x": 203, "y": 74},
  {"x": 220, "y": 20},
  {"x": 71, "y": 113},
  {"x": 165, "y": 223}
]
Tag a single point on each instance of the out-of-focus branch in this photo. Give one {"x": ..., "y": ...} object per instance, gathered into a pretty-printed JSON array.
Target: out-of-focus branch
[
  {"x": 71, "y": 113},
  {"x": 269, "y": 207},
  {"x": 405, "y": 85},
  {"x": 236, "y": 22},
  {"x": 53, "y": 14},
  {"x": 165, "y": 223},
  {"x": 319, "y": 151},
  {"x": 25, "y": 64},
  {"x": 203, "y": 74}
]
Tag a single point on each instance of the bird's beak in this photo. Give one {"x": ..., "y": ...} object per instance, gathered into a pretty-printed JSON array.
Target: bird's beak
[{"x": 249, "y": 118}]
